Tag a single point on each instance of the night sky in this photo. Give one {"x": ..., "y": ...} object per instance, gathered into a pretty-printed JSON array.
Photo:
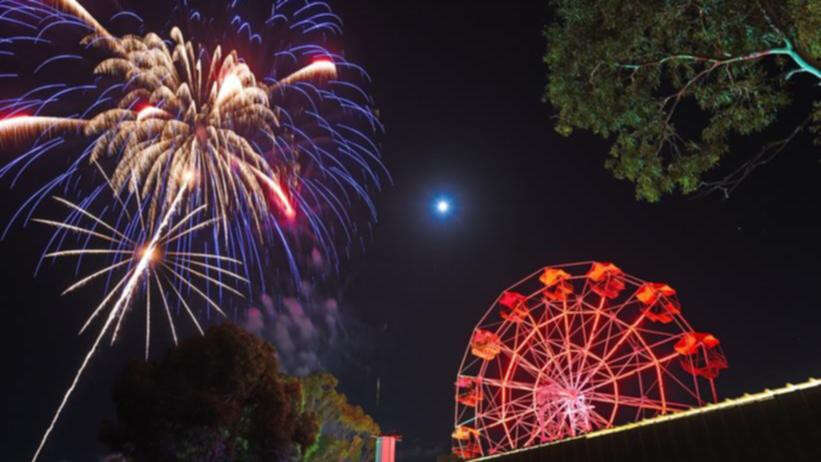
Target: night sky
[{"x": 459, "y": 85}]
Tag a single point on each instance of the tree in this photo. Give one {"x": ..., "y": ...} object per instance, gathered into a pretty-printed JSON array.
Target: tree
[
  {"x": 217, "y": 397},
  {"x": 346, "y": 432},
  {"x": 642, "y": 71}
]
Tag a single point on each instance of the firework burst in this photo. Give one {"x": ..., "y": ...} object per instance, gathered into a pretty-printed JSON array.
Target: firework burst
[
  {"x": 239, "y": 157},
  {"x": 282, "y": 149}
]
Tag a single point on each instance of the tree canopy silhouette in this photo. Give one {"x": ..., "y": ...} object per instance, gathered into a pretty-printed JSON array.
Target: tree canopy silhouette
[
  {"x": 647, "y": 73},
  {"x": 217, "y": 397}
]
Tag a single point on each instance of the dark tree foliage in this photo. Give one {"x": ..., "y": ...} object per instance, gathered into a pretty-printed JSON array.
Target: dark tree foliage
[
  {"x": 217, "y": 397},
  {"x": 642, "y": 72}
]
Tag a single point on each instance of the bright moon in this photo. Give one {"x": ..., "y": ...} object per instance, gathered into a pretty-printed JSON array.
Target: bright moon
[{"x": 442, "y": 206}]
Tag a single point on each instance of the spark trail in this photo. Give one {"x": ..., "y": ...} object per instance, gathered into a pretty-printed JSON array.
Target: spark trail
[{"x": 145, "y": 255}]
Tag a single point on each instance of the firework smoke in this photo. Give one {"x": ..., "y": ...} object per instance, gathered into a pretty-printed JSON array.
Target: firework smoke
[{"x": 304, "y": 330}]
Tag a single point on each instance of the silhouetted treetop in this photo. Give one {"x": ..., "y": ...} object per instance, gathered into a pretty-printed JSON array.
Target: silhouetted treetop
[{"x": 217, "y": 397}]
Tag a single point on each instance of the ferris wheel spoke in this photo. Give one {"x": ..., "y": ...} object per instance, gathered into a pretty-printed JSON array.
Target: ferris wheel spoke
[
  {"x": 540, "y": 356},
  {"x": 638, "y": 327},
  {"x": 605, "y": 333},
  {"x": 635, "y": 371},
  {"x": 649, "y": 331},
  {"x": 542, "y": 353},
  {"x": 511, "y": 335},
  {"x": 575, "y": 354},
  {"x": 636, "y": 401},
  {"x": 550, "y": 329},
  {"x": 611, "y": 321},
  {"x": 619, "y": 365},
  {"x": 524, "y": 363},
  {"x": 626, "y": 334},
  {"x": 686, "y": 388},
  {"x": 636, "y": 360},
  {"x": 612, "y": 371},
  {"x": 501, "y": 405},
  {"x": 539, "y": 431},
  {"x": 510, "y": 384},
  {"x": 588, "y": 337},
  {"x": 542, "y": 427},
  {"x": 510, "y": 420},
  {"x": 654, "y": 346},
  {"x": 501, "y": 420},
  {"x": 566, "y": 337},
  {"x": 553, "y": 368},
  {"x": 490, "y": 402},
  {"x": 544, "y": 343},
  {"x": 601, "y": 420},
  {"x": 522, "y": 428}
]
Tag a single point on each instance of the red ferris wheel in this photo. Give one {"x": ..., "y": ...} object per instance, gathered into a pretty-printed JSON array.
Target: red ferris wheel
[{"x": 575, "y": 348}]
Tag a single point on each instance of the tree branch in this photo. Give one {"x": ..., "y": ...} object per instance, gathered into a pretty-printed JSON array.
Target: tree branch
[
  {"x": 712, "y": 65},
  {"x": 787, "y": 49},
  {"x": 768, "y": 152}
]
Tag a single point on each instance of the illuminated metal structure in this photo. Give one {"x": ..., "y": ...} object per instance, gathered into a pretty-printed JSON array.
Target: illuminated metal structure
[{"x": 575, "y": 348}]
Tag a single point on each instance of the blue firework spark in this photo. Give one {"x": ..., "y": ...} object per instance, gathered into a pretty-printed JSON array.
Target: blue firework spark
[{"x": 269, "y": 114}]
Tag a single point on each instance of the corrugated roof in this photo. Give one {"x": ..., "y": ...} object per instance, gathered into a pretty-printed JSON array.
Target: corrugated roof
[{"x": 728, "y": 403}]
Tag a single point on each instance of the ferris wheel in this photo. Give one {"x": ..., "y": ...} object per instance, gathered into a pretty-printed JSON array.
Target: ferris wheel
[{"x": 575, "y": 348}]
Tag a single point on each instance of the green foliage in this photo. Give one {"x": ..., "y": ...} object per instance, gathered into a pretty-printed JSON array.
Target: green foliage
[
  {"x": 346, "y": 432},
  {"x": 217, "y": 397},
  {"x": 806, "y": 16},
  {"x": 642, "y": 71}
]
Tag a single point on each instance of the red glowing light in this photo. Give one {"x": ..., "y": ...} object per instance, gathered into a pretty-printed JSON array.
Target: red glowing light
[
  {"x": 470, "y": 451},
  {"x": 511, "y": 299},
  {"x": 468, "y": 391},
  {"x": 650, "y": 292},
  {"x": 464, "y": 433},
  {"x": 147, "y": 110},
  {"x": 485, "y": 344},
  {"x": 278, "y": 195},
  {"x": 470, "y": 398},
  {"x": 556, "y": 286},
  {"x": 516, "y": 304},
  {"x": 141, "y": 105},
  {"x": 663, "y": 315},
  {"x": 606, "y": 279},
  {"x": 690, "y": 342},
  {"x": 282, "y": 199},
  {"x": 463, "y": 382},
  {"x": 15, "y": 115},
  {"x": 386, "y": 448},
  {"x": 707, "y": 368}
]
